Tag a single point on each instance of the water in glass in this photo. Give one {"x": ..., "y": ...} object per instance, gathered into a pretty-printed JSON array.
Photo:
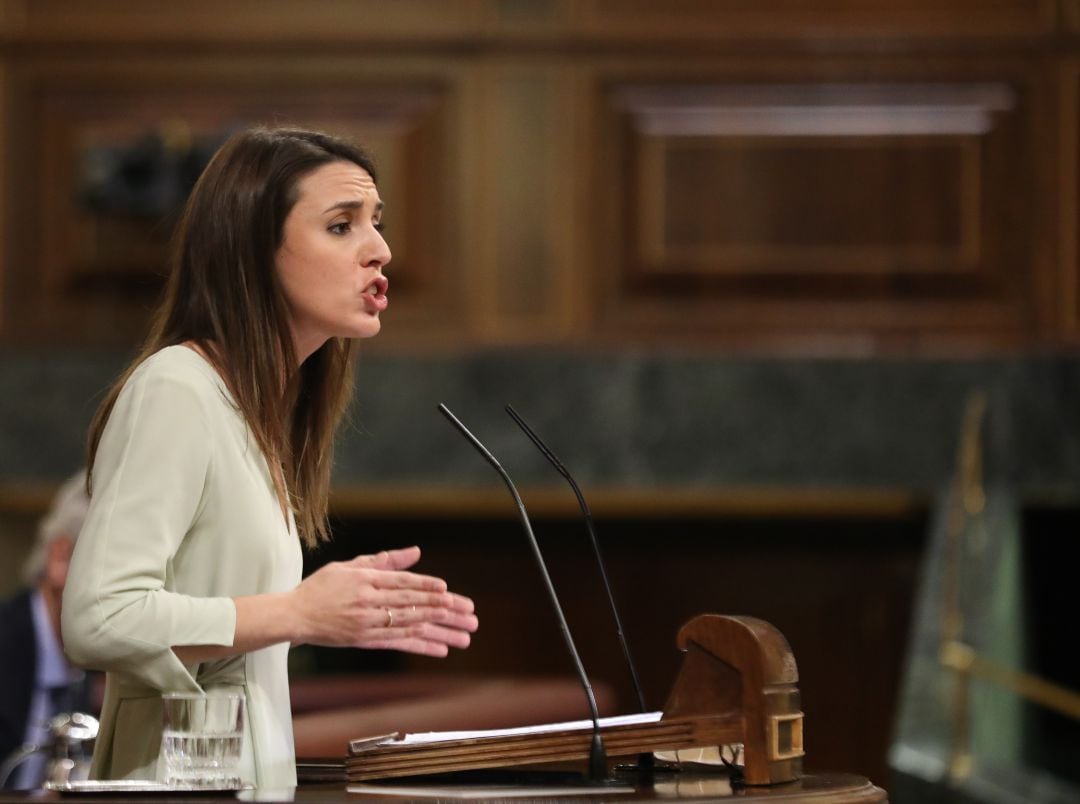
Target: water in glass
[{"x": 202, "y": 738}]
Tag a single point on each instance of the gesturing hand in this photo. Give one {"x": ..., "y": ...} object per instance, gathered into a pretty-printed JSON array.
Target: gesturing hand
[{"x": 372, "y": 602}]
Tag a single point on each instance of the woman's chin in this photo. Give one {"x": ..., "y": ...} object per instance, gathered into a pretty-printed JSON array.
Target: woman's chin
[{"x": 368, "y": 328}]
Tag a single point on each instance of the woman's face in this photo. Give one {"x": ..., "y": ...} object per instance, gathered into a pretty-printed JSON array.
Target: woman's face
[{"x": 331, "y": 257}]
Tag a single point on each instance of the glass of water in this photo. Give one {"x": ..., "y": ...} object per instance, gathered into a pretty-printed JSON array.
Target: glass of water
[{"x": 202, "y": 738}]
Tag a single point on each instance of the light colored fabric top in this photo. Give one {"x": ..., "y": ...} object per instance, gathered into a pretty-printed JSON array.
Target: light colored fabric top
[{"x": 183, "y": 518}]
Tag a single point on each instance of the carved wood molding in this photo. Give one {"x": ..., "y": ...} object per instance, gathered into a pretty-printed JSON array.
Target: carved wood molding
[
  {"x": 542, "y": 22},
  {"x": 831, "y": 19}
]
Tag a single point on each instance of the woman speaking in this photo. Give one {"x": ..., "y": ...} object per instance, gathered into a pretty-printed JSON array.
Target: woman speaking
[{"x": 210, "y": 462}]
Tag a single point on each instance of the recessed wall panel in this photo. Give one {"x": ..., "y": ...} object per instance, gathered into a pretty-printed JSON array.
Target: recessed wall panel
[
  {"x": 115, "y": 160},
  {"x": 854, "y": 204}
]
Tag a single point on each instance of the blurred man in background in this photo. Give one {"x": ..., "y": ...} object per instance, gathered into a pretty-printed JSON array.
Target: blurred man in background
[{"x": 36, "y": 680}]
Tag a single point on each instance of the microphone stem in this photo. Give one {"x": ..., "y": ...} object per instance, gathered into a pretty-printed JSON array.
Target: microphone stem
[
  {"x": 646, "y": 763},
  {"x": 587, "y": 514},
  {"x": 611, "y": 602},
  {"x": 534, "y": 545},
  {"x": 597, "y": 755}
]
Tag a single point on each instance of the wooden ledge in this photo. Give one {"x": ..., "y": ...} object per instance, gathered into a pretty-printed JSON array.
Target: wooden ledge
[
  {"x": 646, "y": 502},
  {"x": 409, "y": 501}
]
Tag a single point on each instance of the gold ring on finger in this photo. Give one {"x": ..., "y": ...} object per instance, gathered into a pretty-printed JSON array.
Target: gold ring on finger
[{"x": 389, "y": 617}]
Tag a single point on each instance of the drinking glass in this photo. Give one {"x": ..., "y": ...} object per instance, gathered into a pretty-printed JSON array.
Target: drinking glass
[{"x": 202, "y": 738}]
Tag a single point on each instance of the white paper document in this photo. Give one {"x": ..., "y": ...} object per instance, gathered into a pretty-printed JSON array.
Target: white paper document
[
  {"x": 424, "y": 738},
  {"x": 487, "y": 792}
]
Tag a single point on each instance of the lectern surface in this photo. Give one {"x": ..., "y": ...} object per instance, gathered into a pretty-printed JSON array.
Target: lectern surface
[{"x": 815, "y": 789}]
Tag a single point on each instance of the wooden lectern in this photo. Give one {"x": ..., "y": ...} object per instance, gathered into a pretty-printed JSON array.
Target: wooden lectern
[{"x": 738, "y": 684}]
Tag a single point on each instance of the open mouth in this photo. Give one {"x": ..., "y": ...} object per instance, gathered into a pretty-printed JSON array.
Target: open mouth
[
  {"x": 375, "y": 293},
  {"x": 378, "y": 287}
]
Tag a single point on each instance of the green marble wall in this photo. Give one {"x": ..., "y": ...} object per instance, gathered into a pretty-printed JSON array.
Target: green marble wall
[{"x": 630, "y": 419}]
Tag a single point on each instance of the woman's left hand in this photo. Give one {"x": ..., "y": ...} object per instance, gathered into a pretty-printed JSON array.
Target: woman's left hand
[
  {"x": 372, "y": 601},
  {"x": 368, "y": 602},
  {"x": 429, "y": 630}
]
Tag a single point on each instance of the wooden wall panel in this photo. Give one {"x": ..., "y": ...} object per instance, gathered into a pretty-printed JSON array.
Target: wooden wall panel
[
  {"x": 378, "y": 23},
  {"x": 1067, "y": 191},
  {"x": 1070, "y": 15},
  {"x": 571, "y": 171},
  {"x": 526, "y": 245},
  {"x": 829, "y": 178},
  {"x": 9, "y": 17},
  {"x": 4, "y": 115},
  {"x": 92, "y": 279},
  {"x": 351, "y": 21},
  {"x": 729, "y": 19},
  {"x": 859, "y": 209}
]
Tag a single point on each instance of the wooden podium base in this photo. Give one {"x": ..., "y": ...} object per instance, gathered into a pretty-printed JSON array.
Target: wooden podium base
[
  {"x": 829, "y": 788},
  {"x": 841, "y": 788},
  {"x": 737, "y": 685}
]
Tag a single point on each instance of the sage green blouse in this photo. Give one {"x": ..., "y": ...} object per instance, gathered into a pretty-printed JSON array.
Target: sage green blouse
[{"x": 182, "y": 519}]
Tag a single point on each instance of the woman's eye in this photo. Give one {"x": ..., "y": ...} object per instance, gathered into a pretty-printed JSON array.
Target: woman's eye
[
  {"x": 380, "y": 227},
  {"x": 338, "y": 228}
]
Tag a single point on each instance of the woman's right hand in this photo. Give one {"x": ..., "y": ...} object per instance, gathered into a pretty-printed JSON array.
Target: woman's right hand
[{"x": 373, "y": 602}]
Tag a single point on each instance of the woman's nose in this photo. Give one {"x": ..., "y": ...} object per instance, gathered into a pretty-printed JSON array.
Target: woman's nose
[{"x": 379, "y": 255}]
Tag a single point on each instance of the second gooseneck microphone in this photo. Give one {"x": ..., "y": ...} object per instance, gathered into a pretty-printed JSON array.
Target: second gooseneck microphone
[
  {"x": 597, "y": 755},
  {"x": 646, "y": 762},
  {"x": 553, "y": 459}
]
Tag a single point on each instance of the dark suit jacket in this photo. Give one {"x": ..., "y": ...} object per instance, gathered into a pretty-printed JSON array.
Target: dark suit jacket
[{"x": 18, "y": 659}]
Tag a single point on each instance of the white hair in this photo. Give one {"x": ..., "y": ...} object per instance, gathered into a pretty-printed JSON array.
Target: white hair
[{"x": 63, "y": 519}]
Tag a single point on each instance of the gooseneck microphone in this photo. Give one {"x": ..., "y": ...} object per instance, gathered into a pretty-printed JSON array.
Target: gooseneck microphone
[
  {"x": 562, "y": 470},
  {"x": 597, "y": 755}
]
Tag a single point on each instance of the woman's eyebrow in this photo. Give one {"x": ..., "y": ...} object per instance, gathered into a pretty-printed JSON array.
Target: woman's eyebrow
[{"x": 350, "y": 205}]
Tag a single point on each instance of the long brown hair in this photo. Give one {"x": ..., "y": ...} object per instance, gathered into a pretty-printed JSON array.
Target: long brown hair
[{"x": 223, "y": 294}]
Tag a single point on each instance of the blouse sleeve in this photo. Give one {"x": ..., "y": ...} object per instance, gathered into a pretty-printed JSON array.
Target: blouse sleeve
[{"x": 149, "y": 475}]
